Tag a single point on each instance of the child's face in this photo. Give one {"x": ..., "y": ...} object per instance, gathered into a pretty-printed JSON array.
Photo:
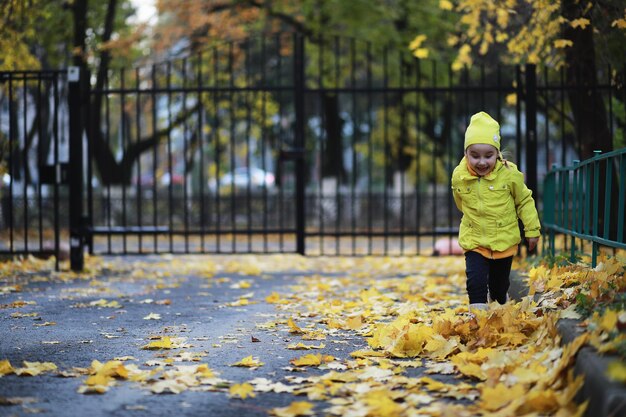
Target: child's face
[{"x": 482, "y": 158}]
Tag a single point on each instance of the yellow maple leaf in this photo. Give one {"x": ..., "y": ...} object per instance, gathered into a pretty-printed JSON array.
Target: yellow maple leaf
[
  {"x": 163, "y": 343},
  {"x": 92, "y": 389},
  {"x": 381, "y": 404},
  {"x": 617, "y": 371},
  {"x": 609, "y": 320},
  {"x": 494, "y": 398},
  {"x": 5, "y": 367},
  {"x": 543, "y": 401},
  {"x": 302, "y": 346},
  {"x": 249, "y": 362},
  {"x": 445, "y": 5},
  {"x": 580, "y": 23},
  {"x": 99, "y": 379},
  {"x": 368, "y": 353},
  {"x": 273, "y": 298},
  {"x": 168, "y": 385},
  {"x": 293, "y": 327},
  {"x": 104, "y": 303},
  {"x": 312, "y": 360},
  {"x": 297, "y": 408},
  {"x": 421, "y": 53},
  {"x": 242, "y": 391},
  {"x": 204, "y": 371},
  {"x": 563, "y": 43},
  {"x": 354, "y": 322},
  {"x": 417, "y": 42},
  {"x": 35, "y": 368}
]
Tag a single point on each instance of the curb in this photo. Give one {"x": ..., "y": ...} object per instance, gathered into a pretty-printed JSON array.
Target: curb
[{"x": 606, "y": 398}]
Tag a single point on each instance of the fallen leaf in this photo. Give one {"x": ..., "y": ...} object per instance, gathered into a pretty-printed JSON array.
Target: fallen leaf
[
  {"x": 249, "y": 362},
  {"x": 241, "y": 391},
  {"x": 297, "y": 408}
]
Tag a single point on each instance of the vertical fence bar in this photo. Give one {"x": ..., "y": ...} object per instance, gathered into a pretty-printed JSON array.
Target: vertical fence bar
[
  {"x": 25, "y": 174},
  {"x": 531, "y": 128},
  {"x": 299, "y": 83},
  {"x": 200, "y": 136},
  {"x": 124, "y": 144},
  {"x": 264, "y": 93},
  {"x": 400, "y": 168},
  {"x": 595, "y": 203},
  {"x": 170, "y": 196},
  {"x": 621, "y": 198},
  {"x": 576, "y": 213},
  {"x": 520, "y": 95},
  {"x": 12, "y": 140},
  {"x": 185, "y": 163},
  {"x": 370, "y": 150},
  {"x": 433, "y": 157},
  {"x": 281, "y": 192},
  {"x": 107, "y": 132},
  {"x": 607, "y": 198},
  {"x": 139, "y": 174},
  {"x": 355, "y": 130},
  {"x": 386, "y": 148},
  {"x": 339, "y": 179},
  {"x": 233, "y": 162},
  {"x": 40, "y": 163},
  {"x": 154, "y": 155},
  {"x": 322, "y": 141},
  {"x": 418, "y": 193},
  {"x": 549, "y": 197},
  {"x": 247, "y": 78},
  {"x": 57, "y": 182},
  {"x": 77, "y": 79},
  {"x": 216, "y": 153},
  {"x": 621, "y": 203}
]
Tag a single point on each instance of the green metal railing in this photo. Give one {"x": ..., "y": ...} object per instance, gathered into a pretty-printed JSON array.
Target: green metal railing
[{"x": 586, "y": 200}]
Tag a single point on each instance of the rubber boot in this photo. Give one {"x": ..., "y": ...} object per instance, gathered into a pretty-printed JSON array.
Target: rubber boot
[{"x": 478, "y": 307}]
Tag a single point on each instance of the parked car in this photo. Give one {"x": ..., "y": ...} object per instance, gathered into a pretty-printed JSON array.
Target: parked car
[{"x": 244, "y": 177}]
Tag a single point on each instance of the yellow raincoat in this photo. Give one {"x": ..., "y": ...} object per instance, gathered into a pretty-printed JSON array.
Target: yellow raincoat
[{"x": 491, "y": 206}]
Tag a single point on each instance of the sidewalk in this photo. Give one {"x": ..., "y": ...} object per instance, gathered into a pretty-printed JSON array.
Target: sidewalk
[{"x": 606, "y": 398}]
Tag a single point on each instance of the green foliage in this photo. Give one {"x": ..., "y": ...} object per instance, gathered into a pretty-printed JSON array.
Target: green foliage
[
  {"x": 39, "y": 34},
  {"x": 585, "y": 304}
]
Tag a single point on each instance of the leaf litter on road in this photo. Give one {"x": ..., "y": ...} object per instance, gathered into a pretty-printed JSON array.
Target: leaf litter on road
[{"x": 406, "y": 317}]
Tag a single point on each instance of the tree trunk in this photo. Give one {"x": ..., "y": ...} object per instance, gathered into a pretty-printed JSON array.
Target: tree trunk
[
  {"x": 588, "y": 108},
  {"x": 333, "y": 151}
]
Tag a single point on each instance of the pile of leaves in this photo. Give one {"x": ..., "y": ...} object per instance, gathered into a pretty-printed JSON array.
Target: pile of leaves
[{"x": 596, "y": 296}]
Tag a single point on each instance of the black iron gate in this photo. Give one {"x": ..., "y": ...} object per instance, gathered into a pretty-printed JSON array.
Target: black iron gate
[
  {"x": 283, "y": 144},
  {"x": 34, "y": 154},
  {"x": 273, "y": 145}
]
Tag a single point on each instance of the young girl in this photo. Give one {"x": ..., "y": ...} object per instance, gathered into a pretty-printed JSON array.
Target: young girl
[{"x": 491, "y": 194}]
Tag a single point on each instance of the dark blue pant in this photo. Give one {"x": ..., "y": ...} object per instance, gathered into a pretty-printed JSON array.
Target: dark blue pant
[{"x": 483, "y": 273}]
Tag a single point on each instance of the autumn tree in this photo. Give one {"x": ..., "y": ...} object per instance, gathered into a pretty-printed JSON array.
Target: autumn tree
[
  {"x": 583, "y": 37},
  {"x": 386, "y": 26}
]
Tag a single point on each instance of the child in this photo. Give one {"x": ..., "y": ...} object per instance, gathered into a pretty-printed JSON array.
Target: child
[{"x": 491, "y": 194}]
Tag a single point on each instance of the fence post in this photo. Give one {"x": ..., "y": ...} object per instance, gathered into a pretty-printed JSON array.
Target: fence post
[
  {"x": 299, "y": 142},
  {"x": 549, "y": 197},
  {"x": 76, "y": 78},
  {"x": 531, "y": 127}
]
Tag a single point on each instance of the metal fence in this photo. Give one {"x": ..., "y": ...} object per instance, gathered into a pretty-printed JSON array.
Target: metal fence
[
  {"x": 586, "y": 200},
  {"x": 34, "y": 153},
  {"x": 291, "y": 144}
]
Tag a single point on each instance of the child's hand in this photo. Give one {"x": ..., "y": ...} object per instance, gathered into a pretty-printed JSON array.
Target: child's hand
[{"x": 532, "y": 243}]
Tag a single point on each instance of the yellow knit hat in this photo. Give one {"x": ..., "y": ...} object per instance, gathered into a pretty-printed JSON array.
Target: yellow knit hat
[{"x": 482, "y": 129}]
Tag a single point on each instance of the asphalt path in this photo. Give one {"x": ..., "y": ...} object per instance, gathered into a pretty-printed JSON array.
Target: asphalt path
[{"x": 195, "y": 307}]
